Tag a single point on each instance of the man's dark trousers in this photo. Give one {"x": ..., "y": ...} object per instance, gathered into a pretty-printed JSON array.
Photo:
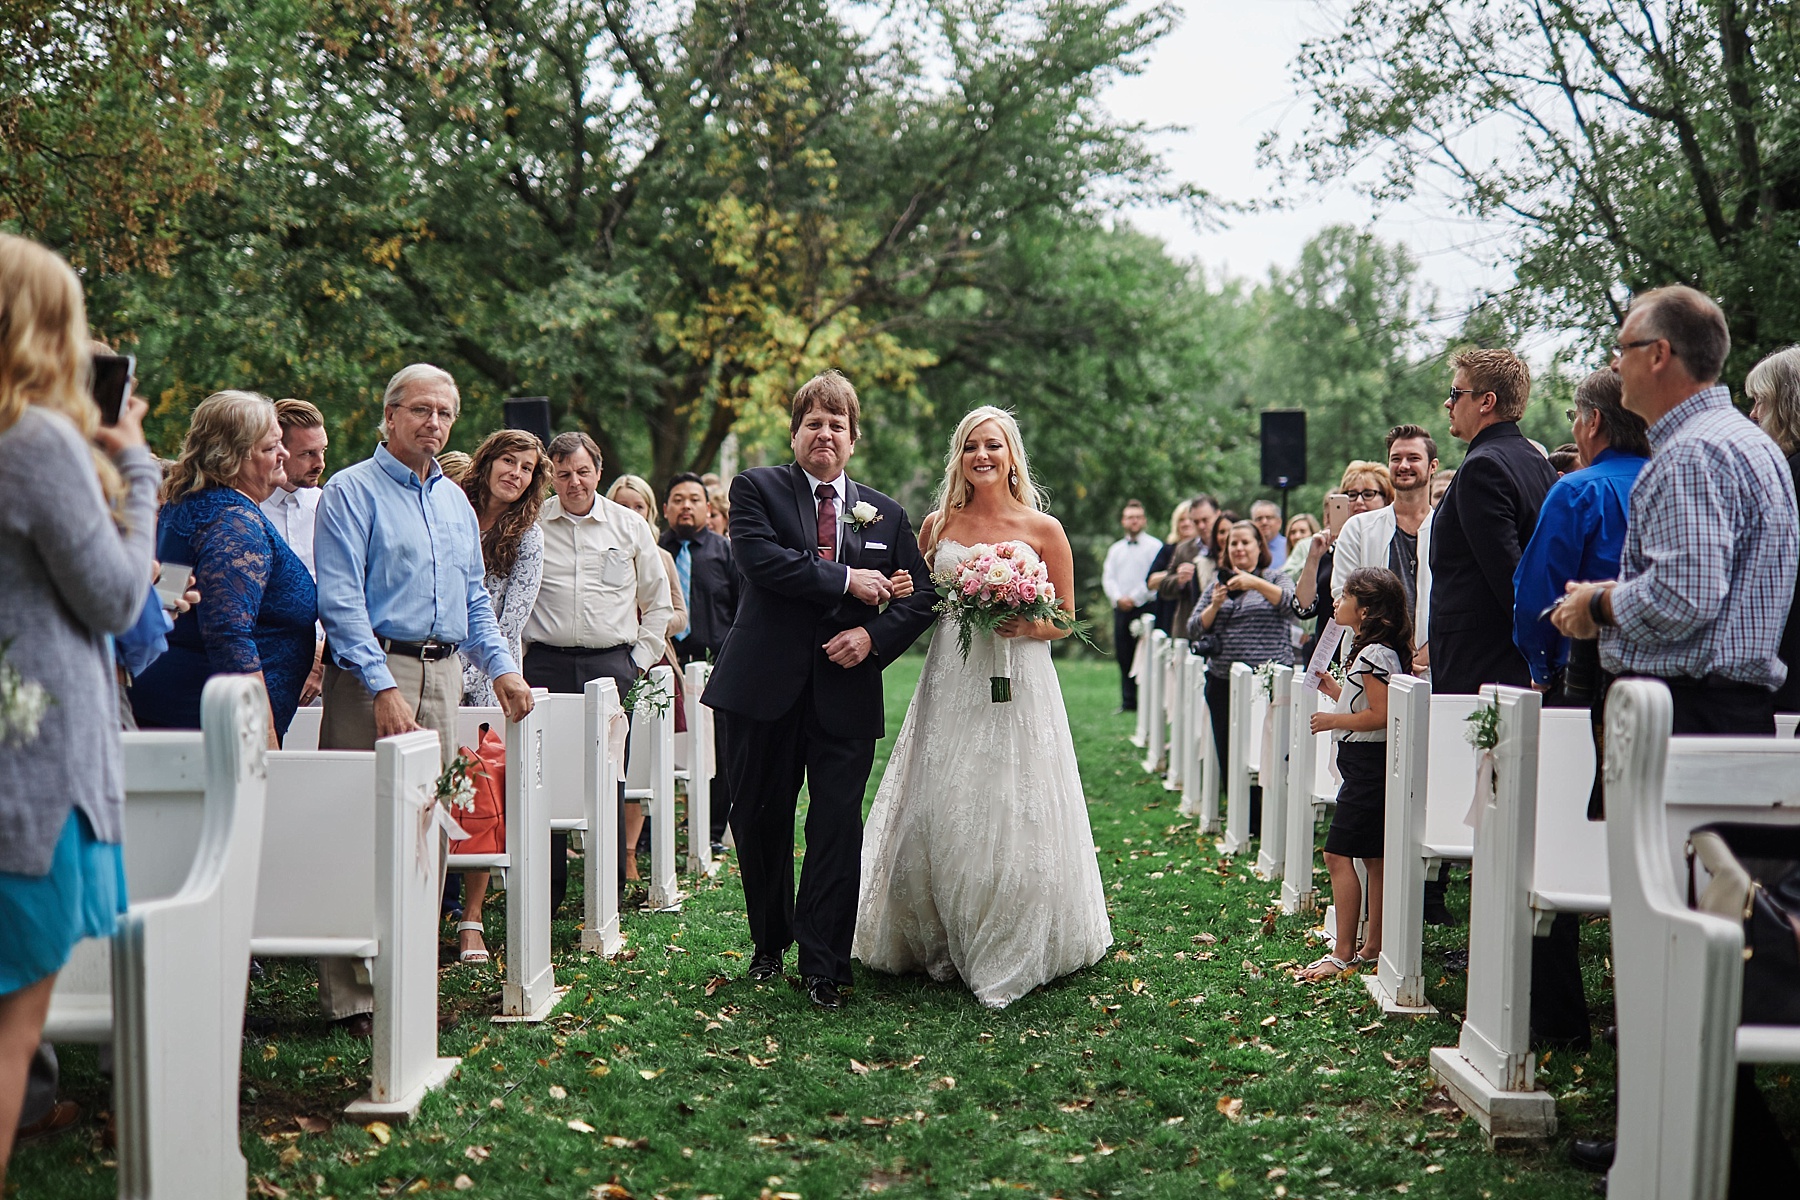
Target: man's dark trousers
[
  {"x": 1125, "y": 649},
  {"x": 568, "y": 672},
  {"x": 770, "y": 759}
]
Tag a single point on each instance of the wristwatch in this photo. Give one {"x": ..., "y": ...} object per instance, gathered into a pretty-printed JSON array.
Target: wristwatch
[{"x": 1597, "y": 611}]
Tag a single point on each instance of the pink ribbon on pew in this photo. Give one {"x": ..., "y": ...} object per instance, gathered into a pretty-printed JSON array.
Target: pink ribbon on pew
[
  {"x": 618, "y": 730},
  {"x": 433, "y": 816}
]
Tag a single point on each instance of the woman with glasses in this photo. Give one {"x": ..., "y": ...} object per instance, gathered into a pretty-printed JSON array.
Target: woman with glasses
[{"x": 1368, "y": 486}]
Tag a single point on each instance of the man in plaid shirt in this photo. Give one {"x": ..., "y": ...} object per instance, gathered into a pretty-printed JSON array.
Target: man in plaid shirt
[{"x": 1711, "y": 546}]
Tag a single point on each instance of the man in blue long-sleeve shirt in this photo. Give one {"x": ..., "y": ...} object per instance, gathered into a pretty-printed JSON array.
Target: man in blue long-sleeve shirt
[
  {"x": 1580, "y": 535},
  {"x": 398, "y": 552}
]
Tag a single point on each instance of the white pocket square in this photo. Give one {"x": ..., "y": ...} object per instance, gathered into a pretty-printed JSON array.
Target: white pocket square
[{"x": 875, "y": 546}]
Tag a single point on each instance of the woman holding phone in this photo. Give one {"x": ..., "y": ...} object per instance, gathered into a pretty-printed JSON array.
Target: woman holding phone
[
  {"x": 1364, "y": 486},
  {"x": 74, "y": 559},
  {"x": 258, "y": 602}
]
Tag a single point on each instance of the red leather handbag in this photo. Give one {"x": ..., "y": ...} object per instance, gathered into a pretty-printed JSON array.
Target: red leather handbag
[{"x": 487, "y": 823}]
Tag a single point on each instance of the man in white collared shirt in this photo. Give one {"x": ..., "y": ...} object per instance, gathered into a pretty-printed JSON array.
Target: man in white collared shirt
[
  {"x": 1124, "y": 579},
  {"x": 603, "y": 606},
  {"x": 293, "y": 507}
]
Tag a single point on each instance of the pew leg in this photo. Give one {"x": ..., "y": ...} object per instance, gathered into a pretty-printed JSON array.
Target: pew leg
[{"x": 21, "y": 1028}]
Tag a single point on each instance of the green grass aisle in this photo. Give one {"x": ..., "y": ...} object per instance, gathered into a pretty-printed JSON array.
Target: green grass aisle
[{"x": 1185, "y": 1064}]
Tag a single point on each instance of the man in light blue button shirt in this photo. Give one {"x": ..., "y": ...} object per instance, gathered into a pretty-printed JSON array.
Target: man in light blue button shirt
[{"x": 398, "y": 551}]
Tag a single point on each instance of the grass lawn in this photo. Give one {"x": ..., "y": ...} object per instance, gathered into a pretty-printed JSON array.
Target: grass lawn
[{"x": 1185, "y": 1064}]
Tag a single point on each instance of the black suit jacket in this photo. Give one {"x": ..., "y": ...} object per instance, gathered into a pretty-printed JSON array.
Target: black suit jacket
[
  {"x": 792, "y": 602},
  {"x": 712, "y": 604},
  {"x": 1478, "y": 532}
]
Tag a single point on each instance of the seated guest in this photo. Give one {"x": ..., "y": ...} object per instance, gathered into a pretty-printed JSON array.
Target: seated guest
[
  {"x": 258, "y": 600},
  {"x": 505, "y": 485},
  {"x": 1579, "y": 536},
  {"x": 1774, "y": 389},
  {"x": 1247, "y": 618}
]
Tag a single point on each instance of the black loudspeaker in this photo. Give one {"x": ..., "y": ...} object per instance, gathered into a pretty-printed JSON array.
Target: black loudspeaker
[
  {"x": 532, "y": 414},
  {"x": 1284, "y": 448}
]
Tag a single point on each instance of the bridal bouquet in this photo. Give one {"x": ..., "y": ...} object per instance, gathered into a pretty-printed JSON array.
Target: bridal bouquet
[{"x": 993, "y": 584}]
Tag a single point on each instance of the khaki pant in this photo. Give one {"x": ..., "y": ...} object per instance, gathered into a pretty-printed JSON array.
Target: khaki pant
[{"x": 433, "y": 691}]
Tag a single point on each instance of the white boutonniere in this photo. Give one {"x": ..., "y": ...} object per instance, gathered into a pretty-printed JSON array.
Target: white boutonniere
[{"x": 863, "y": 514}]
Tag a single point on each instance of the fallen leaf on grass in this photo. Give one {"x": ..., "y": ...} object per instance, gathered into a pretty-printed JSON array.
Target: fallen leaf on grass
[
  {"x": 1371, "y": 1027},
  {"x": 1434, "y": 1168},
  {"x": 476, "y": 1153},
  {"x": 715, "y": 983},
  {"x": 857, "y": 1068},
  {"x": 290, "y": 1156},
  {"x": 1203, "y": 939},
  {"x": 1276, "y": 1173},
  {"x": 313, "y": 1125},
  {"x": 1137, "y": 987},
  {"x": 1230, "y": 1108},
  {"x": 270, "y": 1051},
  {"x": 264, "y": 1188},
  {"x": 758, "y": 1063},
  {"x": 1174, "y": 1120},
  {"x": 609, "y": 1191},
  {"x": 463, "y": 1183},
  {"x": 877, "y": 1122},
  {"x": 625, "y": 1143},
  {"x": 731, "y": 953},
  {"x": 379, "y": 1131},
  {"x": 580, "y": 1126},
  {"x": 650, "y": 1074},
  {"x": 1101, "y": 1149},
  {"x": 1252, "y": 970},
  {"x": 1268, "y": 1022},
  {"x": 943, "y": 1084},
  {"x": 558, "y": 1093},
  {"x": 1075, "y": 1159},
  {"x": 600, "y": 1071}
]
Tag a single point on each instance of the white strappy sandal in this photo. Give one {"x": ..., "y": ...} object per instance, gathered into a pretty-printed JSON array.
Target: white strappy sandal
[{"x": 471, "y": 956}]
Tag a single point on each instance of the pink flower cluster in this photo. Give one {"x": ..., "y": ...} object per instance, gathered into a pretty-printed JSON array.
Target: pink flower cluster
[{"x": 999, "y": 577}]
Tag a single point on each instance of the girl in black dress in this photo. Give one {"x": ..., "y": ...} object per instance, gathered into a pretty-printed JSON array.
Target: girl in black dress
[{"x": 1373, "y": 608}]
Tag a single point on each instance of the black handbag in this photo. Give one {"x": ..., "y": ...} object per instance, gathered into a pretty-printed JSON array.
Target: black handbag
[{"x": 1755, "y": 873}]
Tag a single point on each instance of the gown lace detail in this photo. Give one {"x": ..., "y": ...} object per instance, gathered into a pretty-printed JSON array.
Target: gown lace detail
[{"x": 978, "y": 859}]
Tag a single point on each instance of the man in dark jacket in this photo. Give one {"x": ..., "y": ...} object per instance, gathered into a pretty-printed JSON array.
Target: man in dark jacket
[
  {"x": 1482, "y": 526},
  {"x": 703, "y": 568}
]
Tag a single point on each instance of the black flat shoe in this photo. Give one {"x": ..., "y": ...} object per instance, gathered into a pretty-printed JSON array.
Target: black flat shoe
[
  {"x": 763, "y": 967},
  {"x": 824, "y": 993},
  {"x": 1593, "y": 1154}
]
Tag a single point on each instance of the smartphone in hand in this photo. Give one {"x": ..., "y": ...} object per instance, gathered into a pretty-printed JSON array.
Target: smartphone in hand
[
  {"x": 110, "y": 384},
  {"x": 172, "y": 583},
  {"x": 1337, "y": 511}
]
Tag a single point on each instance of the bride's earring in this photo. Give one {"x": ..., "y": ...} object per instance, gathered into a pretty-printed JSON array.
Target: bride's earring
[{"x": 1012, "y": 477}]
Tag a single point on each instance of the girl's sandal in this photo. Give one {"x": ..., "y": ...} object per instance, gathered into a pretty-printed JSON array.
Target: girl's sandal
[
  {"x": 1327, "y": 967},
  {"x": 477, "y": 954}
]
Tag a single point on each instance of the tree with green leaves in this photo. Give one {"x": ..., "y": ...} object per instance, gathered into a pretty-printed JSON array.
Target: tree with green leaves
[{"x": 1629, "y": 145}]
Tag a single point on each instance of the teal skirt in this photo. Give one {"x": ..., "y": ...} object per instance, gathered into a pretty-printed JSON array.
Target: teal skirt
[{"x": 43, "y": 916}]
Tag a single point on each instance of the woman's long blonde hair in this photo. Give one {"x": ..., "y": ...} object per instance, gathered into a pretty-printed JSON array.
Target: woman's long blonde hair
[
  {"x": 955, "y": 491},
  {"x": 225, "y": 428},
  {"x": 44, "y": 346}
]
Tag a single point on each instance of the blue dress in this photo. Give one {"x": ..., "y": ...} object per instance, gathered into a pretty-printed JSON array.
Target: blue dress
[
  {"x": 43, "y": 916},
  {"x": 256, "y": 612}
]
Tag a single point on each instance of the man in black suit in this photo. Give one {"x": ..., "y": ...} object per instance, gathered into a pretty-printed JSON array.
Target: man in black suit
[
  {"x": 1482, "y": 525},
  {"x": 703, "y": 568},
  {"x": 834, "y": 590},
  {"x": 709, "y": 588}
]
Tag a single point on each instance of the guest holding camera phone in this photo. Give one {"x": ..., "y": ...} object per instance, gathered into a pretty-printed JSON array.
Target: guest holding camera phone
[
  {"x": 1247, "y": 618},
  {"x": 1364, "y": 487},
  {"x": 259, "y": 603},
  {"x": 74, "y": 557}
]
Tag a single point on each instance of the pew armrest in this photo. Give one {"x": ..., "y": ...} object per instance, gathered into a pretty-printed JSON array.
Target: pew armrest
[
  {"x": 478, "y": 862},
  {"x": 316, "y": 947},
  {"x": 1768, "y": 1043},
  {"x": 86, "y": 1019},
  {"x": 1571, "y": 902}
]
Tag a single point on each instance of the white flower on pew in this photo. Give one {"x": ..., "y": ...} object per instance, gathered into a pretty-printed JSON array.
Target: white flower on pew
[{"x": 456, "y": 786}]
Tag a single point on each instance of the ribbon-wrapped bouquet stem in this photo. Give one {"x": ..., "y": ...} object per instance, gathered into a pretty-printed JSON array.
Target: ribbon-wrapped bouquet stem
[{"x": 991, "y": 586}]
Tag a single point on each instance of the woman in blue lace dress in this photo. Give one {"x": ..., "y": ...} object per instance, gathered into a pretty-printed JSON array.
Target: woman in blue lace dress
[{"x": 258, "y": 602}]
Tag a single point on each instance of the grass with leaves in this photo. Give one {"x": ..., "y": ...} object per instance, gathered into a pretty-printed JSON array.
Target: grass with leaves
[{"x": 1187, "y": 1063}]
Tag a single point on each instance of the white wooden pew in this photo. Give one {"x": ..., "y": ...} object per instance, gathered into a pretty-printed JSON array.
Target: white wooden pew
[
  {"x": 651, "y": 780},
  {"x": 1536, "y": 854},
  {"x": 167, "y": 989},
  {"x": 1243, "y": 754},
  {"x": 1140, "y": 629},
  {"x": 1311, "y": 788},
  {"x": 1150, "y": 699},
  {"x": 1431, "y": 779},
  {"x": 600, "y": 773},
  {"x": 1271, "y": 850},
  {"x": 1200, "y": 779},
  {"x": 1787, "y": 724},
  {"x": 528, "y": 990},
  {"x": 1176, "y": 697},
  {"x": 701, "y": 760},
  {"x": 1679, "y": 973},
  {"x": 351, "y": 867}
]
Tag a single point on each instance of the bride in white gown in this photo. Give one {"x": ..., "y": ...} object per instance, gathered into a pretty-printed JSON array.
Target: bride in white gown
[{"x": 978, "y": 860}]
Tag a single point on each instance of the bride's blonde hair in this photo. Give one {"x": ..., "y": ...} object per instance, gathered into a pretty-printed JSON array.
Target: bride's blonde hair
[{"x": 956, "y": 490}]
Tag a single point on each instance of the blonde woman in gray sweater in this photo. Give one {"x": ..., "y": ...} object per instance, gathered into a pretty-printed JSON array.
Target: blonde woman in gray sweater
[{"x": 73, "y": 565}]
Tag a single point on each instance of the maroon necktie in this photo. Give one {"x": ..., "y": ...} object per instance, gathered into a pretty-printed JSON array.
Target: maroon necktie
[{"x": 827, "y": 521}]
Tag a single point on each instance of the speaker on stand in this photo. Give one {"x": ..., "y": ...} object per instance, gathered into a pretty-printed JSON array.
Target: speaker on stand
[{"x": 1284, "y": 452}]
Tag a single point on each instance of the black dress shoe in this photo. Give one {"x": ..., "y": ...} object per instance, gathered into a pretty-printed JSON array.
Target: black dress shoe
[
  {"x": 1610, "y": 1035},
  {"x": 1456, "y": 960},
  {"x": 763, "y": 967},
  {"x": 357, "y": 1025},
  {"x": 824, "y": 993},
  {"x": 1593, "y": 1154}
]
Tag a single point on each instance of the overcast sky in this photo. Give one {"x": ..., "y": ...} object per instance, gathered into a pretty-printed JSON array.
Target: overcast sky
[{"x": 1224, "y": 74}]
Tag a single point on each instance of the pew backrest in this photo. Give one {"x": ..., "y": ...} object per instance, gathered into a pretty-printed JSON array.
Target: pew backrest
[
  {"x": 1569, "y": 871},
  {"x": 1449, "y": 778}
]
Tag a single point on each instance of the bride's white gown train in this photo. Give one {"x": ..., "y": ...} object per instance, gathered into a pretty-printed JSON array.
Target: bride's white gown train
[{"x": 978, "y": 859}]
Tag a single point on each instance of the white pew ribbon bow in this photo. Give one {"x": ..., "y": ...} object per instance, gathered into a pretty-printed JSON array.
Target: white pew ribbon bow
[
  {"x": 1486, "y": 788},
  {"x": 618, "y": 732}
]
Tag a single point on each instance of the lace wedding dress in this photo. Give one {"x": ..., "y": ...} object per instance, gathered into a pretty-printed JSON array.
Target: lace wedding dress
[{"x": 978, "y": 860}]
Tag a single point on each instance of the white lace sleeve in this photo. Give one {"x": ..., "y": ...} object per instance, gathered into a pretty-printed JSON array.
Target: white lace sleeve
[{"x": 513, "y": 599}]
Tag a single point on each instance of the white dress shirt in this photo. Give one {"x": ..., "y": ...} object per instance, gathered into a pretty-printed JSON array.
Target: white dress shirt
[
  {"x": 836, "y": 485},
  {"x": 294, "y": 514},
  {"x": 1127, "y": 569},
  {"x": 601, "y": 570}
]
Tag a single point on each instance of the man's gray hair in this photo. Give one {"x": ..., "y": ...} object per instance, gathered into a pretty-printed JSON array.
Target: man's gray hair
[
  {"x": 407, "y": 376},
  {"x": 1692, "y": 323},
  {"x": 1268, "y": 504}
]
